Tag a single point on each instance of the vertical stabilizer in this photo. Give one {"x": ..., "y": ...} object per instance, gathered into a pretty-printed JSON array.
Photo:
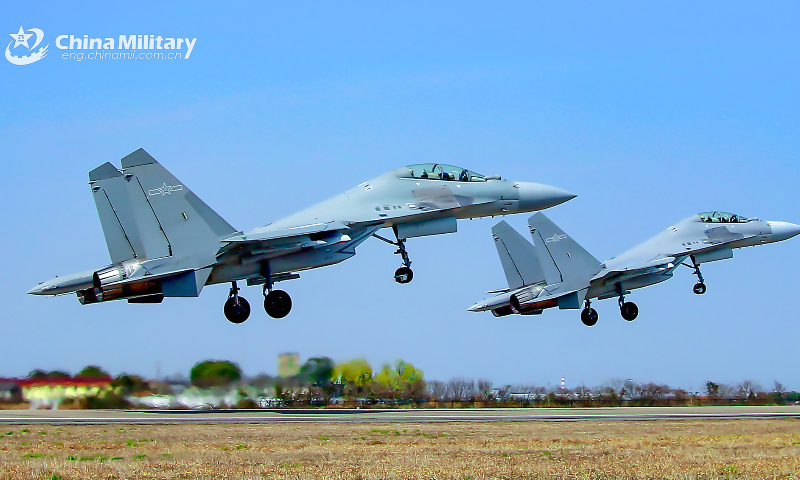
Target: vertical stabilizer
[
  {"x": 116, "y": 217},
  {"x": 147, "y": 213},
  {"x": 185, "y": 221},
  {"x": 520, "y": 262},
  {"x": 568, "y": 257}
]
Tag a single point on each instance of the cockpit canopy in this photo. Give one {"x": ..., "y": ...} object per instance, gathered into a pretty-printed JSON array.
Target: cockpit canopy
[
  {"x": 722, "y": 217},
  {"x": 439, "y": 171}
]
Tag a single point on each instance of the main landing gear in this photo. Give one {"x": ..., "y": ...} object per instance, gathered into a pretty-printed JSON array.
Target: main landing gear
[
  {"x": 699, "y": 287},
  {"x": 628, "y": 310},
  {"x": 404, "y": 273},
  {"x": 589, "y": 315},
  {"x": 236, "y": 309},
  {"x": 277, "y": 303}
]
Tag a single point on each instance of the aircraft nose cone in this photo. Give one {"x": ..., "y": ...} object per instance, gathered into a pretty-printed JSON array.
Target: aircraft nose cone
[
  {"x": 783, "y": 230},
  {"x": 536, "y": 196},
  {"x": 37, "y": 290}
]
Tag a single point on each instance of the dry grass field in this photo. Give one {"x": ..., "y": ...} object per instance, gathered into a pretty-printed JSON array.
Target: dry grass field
[{"x": 652, "y": 449}]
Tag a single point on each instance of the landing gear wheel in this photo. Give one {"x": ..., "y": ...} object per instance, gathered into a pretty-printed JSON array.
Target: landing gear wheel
[
  {"x": 629, "y": 311},
  {"x": 589, "y": 316},
  {"x": 403, "y": 275},
  {"x": 236, "y": 309},
  {"x": 277, "y": 304},
  {"x": 699, "y": 288}
]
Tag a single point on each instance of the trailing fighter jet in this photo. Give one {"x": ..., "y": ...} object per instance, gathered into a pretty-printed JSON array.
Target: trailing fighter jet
[
  {"x": 557, "y": 272},
  {"x": 165, "y": 242}
]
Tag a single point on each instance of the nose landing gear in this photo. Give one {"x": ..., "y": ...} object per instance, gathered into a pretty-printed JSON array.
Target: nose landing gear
[
  {"x": 699, "y": 287},
  {"x": 236, "y": 309},
  {"x": 404, "y": 273}
]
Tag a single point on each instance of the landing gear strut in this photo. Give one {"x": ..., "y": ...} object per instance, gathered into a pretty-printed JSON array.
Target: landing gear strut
[
  {"x": 236, "y": 309},
  {"x": 589, "y": 315},
  {"x": 404, "y": 273},
  {"x": 699, "y": 287},
  {"x": 277, "y": 303},
  {"x": 628, "y": 310}
]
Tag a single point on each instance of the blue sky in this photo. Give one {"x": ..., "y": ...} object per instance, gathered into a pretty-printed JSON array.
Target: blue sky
[{"x": 650, "y": 113}]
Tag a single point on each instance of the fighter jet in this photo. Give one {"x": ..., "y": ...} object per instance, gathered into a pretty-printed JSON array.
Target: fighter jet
[
  {"x": 555, "y": 271},
  {"x": 166, "y": 242}
]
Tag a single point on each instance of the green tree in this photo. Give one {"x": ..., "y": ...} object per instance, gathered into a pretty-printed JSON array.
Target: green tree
[
  {"x": 712, "y": 389},
  {"x": 213, "y": 373},
  {"x": 130, "y": 383},
  {"x": 354, "y": 372},
  {"x": 402, "y": 379},
  {"x": 355, "y": 375},
  {"x": 93, "y": 371},
  {"x": 42, "y": 374},
  {"x": 317, "y": 370}
]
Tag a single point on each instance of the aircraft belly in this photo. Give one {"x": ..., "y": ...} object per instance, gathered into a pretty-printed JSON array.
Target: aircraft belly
[
  {"x": 606, "y": 290},
  {"x": 307, "y": 260},
  {"x": 295, "y": 262}
]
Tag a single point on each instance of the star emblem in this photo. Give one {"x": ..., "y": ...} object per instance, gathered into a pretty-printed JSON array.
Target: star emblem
[
  {"x": 21, "y": 38},
  {"x": 165, "y": 189}
]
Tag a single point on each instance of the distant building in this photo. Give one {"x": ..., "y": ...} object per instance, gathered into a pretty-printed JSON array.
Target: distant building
[
  {"x": 51, "y": 391},
  {"x": 288, "y": 364}
]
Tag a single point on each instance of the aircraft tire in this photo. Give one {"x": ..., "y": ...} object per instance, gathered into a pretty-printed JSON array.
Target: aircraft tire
[
  {"x": 699, "y": 288},
  {"x": 277, "y": 304},
  {"x": 237, "y": 313},
  {"x": 629, "y": 311},
  {"x": 589, "y": 316},
  {"x": 403, "y": 275}
]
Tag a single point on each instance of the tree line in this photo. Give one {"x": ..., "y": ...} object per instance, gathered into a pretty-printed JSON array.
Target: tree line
[{"x": 321, "y": 381}]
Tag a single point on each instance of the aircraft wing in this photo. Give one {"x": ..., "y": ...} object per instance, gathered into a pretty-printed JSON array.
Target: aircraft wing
[
  {"x": 267, "y": 240},
  {"x": 656, "y": 262},
  {"x": 606, "y": 275},
  {"x": 265, "y": 234}
]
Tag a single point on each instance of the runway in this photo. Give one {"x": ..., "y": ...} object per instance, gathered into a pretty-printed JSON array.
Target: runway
[{"x": 174, "y": 417}]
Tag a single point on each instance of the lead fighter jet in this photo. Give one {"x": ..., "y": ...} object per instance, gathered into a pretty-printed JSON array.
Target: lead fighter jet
[
  {"x": 557, "y": 272},
  {"x": 165, "y": 242}
]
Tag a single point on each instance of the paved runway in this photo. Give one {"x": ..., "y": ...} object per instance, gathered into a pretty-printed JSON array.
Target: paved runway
[{"x": 102, "y": 417}]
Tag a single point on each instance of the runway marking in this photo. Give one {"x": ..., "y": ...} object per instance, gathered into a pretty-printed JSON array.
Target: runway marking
[{"x": 327, "y": 416}]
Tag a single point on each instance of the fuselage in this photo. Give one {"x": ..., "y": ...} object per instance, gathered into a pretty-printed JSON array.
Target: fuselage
[
  {"x": 703, "y": 238},
  {"x": 418, "y": 200},
  {"x": 401, "y": 197}
]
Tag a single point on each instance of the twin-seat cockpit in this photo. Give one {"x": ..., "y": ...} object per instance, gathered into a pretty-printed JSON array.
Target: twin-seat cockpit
[
  {"x": 439, "y": 171},
  {"x": 722, "y": 217}
]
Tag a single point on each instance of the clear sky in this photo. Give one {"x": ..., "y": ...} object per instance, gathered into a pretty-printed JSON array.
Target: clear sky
[{"x": 650, "y": 113}]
